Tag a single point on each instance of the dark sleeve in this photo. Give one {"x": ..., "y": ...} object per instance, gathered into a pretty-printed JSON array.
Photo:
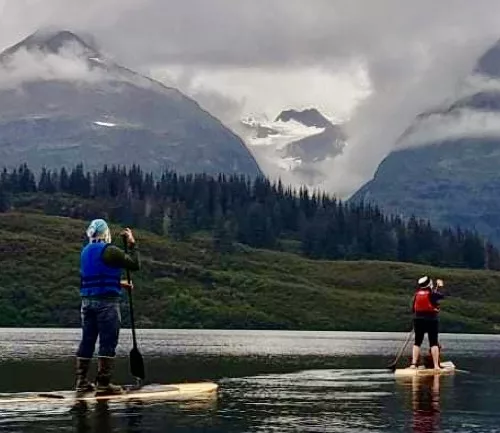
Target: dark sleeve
[
  {"x": 117, "y": 258},
  {"x": 436, "y": 297}
]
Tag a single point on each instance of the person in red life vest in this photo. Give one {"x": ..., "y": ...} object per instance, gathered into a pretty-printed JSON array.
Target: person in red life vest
[{"x": 426, "y": 318}]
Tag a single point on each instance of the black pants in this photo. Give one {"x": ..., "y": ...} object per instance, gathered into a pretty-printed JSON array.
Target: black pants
[{"x": 423, "y": 326}]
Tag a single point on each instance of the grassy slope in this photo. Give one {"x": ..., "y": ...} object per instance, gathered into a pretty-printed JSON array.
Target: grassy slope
[{"x": 188, "y": 285}]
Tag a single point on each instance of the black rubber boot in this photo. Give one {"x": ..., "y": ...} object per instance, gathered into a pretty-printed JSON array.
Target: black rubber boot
[
  {"x": 104, "y": 371},
  {"x": 82, "y": 384}
]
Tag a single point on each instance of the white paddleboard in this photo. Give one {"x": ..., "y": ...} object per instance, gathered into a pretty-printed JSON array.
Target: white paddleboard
[
  {"x": 447, "y": 368},
  {"x": 148, "y": 392}
]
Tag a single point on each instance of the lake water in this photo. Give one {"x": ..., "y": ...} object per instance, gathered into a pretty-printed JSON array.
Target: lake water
[{"x": 270, "y": 381}]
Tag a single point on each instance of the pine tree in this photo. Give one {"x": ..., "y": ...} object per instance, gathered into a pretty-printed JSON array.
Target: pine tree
[
  {"x": 46, "y": 183},
  {"x": 492, "y": 257},
  {"x": 179, "y": 227},
  {"x": 4, "y": 200},
  {"x": 223, "y": 235},
  {"x": 64, "y": 180},
  {"x": 255, "y": 212},
  {"x": 26, "y": 179}
]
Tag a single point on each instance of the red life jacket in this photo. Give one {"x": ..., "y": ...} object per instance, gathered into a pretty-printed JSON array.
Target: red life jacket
[{"x": 422, "y": 302}]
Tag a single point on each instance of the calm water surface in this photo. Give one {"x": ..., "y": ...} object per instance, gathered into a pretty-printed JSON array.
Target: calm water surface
[{"x": 270, "y": 381}]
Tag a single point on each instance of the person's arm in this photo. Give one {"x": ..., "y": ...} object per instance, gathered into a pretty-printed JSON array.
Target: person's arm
[
  {"x": 436, "y": 297},
  {"x": 438, "y": 294},
  {"x": 117, "y": 258}
]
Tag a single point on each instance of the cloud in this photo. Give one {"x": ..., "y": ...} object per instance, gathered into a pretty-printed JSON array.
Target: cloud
[
  {"x": 463, "y": 123},
  {"x": 234, "y": 93},
  {"x": 268, "y": 91},
  {"x": 34, "y": 65},
  {"x": 395, "y": 58}
]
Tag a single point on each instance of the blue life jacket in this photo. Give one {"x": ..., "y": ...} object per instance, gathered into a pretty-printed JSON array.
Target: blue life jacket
[{"x": 96, "y": 278}]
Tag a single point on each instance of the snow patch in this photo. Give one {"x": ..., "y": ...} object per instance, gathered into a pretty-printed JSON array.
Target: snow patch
[
  {"x": 283, "y": 133},
  {"x": 108, "y": 124}
]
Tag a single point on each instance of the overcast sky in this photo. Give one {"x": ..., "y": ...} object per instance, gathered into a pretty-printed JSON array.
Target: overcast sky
[{"x": 377, "y": 63}]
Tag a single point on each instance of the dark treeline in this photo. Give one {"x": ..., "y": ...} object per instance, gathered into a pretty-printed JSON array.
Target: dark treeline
[{"x": 253, "y": 212}]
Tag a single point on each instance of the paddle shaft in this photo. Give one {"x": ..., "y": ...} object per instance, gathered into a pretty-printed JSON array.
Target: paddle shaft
[
  {"x": 131, "y": 305},
  {"x": 136, "y": 361},
  {"x": 401, "y": 350}
]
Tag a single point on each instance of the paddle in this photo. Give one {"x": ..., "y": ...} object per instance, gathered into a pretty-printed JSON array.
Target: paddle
[
  {"x": 136, "y": 361},
  {"x": 392, "y": 365}
]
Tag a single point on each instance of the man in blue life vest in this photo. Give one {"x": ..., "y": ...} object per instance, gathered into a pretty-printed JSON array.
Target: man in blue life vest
[
  {"x": 101, "y": 287},
  {"x": 425, "y": 310}
]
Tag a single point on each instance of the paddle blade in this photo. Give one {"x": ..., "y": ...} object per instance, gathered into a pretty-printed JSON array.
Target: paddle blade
[
  {"x": 392, "y": 367},
  {"x": 137, "y": 364}
]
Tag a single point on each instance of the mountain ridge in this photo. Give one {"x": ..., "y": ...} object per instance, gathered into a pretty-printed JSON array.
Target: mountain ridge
[
  {"x": 308, "y": 117},
  {"x": 445, "y": 165},
  {"x": 138, "y": 118},
  {"x": 49, "y": 41}
]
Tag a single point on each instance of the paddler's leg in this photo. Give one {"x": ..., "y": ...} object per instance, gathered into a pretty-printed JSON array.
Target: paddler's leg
[
  {"x": 415, "y": 356},
  {"x": 419, "y": 338},
  {"x": 82, "y": 369},
  {"x": 435, "y": 357},
  {"x": 86, "y": 348},
  {"x": 433, "y": 342},
  {"x": 109, "y": 320},
  {"x": 105, "y": 367}
]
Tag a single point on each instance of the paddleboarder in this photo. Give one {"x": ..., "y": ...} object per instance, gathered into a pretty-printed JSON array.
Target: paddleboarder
[
  {"x": 425, "y": 310},
  {"x": 101, "y": 287}
]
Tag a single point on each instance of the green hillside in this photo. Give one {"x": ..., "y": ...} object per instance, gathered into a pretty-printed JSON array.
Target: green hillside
[{"x": 189, "y": 285}]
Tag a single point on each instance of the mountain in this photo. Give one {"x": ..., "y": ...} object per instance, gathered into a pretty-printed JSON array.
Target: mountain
[
  {"x": 308, "y": 117},
  {"x": 64, "y": 102},
  {"x": 316, "y": 147},
  {"x": 296, "y": 142},
  {"x": 446, "y": 164},
  {"x": 50, "y": 42}
]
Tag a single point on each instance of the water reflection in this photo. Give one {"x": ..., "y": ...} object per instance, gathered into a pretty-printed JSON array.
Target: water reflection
[
  {"x": 269, "y": 382},
  {"x": 140, "y": 416},
  {"x": 97, "y": 420},
  {"x": 425, "y": 394},
  {"x": 426, "y": 404}
]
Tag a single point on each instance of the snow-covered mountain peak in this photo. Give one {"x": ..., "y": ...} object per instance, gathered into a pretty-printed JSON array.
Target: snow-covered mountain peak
[
  {"x": 295, "y": 143},
  {"x": 278, "y": 133},
  {"x": 307, "y": 117}
]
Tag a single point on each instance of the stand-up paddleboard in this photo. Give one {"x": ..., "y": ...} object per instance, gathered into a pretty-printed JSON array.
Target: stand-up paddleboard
[
  {"x": 149, "y": 392},
  {"x": 447, "y": 367}
]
